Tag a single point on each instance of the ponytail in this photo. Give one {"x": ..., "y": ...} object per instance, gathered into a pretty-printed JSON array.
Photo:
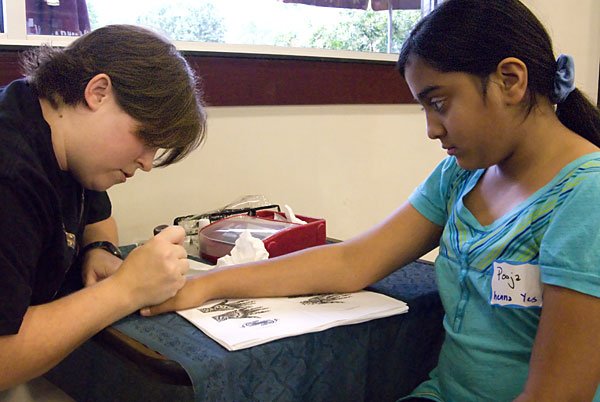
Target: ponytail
[{"x": 580, "y": 115}]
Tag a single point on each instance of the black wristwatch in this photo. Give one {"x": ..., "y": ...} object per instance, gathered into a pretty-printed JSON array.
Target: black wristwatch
[{"x": 105, "y": 245}]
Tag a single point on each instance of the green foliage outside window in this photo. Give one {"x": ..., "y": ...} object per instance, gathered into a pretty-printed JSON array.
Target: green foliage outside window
[
  {"x": 186, "y": 23},
  {"x": 354, "y": 30},
  {"x": 367, "y": 32}
]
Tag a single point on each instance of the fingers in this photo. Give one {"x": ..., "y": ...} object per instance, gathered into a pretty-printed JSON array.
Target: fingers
[
  {"x": 171, "y": 304},
  {"x": 176, "y": 235},
  {"x": 98, "y": 265},
  {"x": 173, "y": 234},
  {"x": 156, "y": 271},
  {"x": 186, "y": 297},
  {"x": 90, "y": 279},
  {"x": 184, "y": 265},
  {"x": 158, "y": 309}
]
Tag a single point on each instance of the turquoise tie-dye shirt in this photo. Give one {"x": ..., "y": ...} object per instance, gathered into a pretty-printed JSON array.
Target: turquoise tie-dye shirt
[{"x": 491, "y": 277}]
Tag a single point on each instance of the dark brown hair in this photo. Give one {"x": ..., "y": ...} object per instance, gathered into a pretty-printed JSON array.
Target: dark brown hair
[{"x": 152, "y": 82}]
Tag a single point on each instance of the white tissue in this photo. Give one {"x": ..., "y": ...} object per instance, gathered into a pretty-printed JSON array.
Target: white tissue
[
  {"x": 247, "y": 248},
  {"x": 203, "y": 222},
  {"x": 289, "y": 214}
]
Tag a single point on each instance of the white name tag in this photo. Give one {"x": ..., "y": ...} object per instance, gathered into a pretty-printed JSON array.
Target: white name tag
[{"x": 516, "y": 285}]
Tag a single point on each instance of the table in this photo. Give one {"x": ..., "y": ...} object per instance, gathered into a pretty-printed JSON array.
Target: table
[{"x": 165, "y": 358}]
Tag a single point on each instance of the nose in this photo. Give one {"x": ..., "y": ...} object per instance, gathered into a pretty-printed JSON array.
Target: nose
[
  {"x": 146, "y": 158},
  {"x": 435, "y": 129}
]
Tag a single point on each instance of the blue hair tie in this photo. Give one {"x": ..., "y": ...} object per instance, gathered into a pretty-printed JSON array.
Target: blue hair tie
[{"x": 564, "y": 79}]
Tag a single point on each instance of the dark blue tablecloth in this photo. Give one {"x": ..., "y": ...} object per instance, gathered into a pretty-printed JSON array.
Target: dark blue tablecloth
[{"x": 379, "y": 360}]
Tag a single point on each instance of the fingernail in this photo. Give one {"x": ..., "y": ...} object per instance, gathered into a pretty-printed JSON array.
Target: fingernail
[{"x": 159, "y": 229}]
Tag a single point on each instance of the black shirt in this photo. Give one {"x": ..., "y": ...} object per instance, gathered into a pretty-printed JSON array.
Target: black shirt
[{"x": 43, "y": 210}]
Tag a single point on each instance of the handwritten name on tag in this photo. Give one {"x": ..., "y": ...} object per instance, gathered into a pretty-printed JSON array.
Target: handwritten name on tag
[{"x": 516, "y": 285}]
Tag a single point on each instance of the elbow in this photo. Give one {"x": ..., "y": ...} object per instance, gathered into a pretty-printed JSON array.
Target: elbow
[
  {"x": 7, "y": 381},
  {"x": 355, "y": 273}
]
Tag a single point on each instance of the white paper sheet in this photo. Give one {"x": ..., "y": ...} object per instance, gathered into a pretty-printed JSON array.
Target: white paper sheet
[{"x": 242, "y": 323}]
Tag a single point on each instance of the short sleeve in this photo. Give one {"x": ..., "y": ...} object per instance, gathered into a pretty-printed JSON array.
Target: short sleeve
[
  {"x": 21, "y": 236},
  {"x": 430, "y": 198},
  {"x": 100, "y": 207},
  {"x": 570, "y": 248}
]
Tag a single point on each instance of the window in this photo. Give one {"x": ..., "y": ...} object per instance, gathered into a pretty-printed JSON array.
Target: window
[
  {"x": 281, "y": 23},
  {"x": 1, "y": 17},
  {"x": 237, "y": 44},
  {"x": 264, "y": 22},
  {"x": 57, "y": 17}
]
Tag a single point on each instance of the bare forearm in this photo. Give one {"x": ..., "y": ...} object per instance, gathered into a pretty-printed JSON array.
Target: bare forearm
[
  {"x": 341, "y": 267},
  {"x": 315, "y": 270},
  {"x": 151, "y": 274},
  {"x": 49, "y": 332}
]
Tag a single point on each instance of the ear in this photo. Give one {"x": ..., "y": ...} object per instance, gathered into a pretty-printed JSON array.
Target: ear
[
  {"x": 98, "y": 89},
  {"x": 512, "y": 75}
]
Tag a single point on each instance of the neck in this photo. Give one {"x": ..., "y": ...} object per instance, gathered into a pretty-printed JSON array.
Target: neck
[
  {"x": 545, "y": 146},
  {"x": 56, "y": 120}
]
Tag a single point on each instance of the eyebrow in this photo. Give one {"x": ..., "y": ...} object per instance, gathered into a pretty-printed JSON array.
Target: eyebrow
[{"x": 424, "y": 92}]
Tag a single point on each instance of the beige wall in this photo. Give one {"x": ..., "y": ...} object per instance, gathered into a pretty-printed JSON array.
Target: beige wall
[
  {"x": 575, "y": 29},
  {"x": 351, "y": 165}
]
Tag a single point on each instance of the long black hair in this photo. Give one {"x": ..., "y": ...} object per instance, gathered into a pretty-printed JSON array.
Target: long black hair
[{"x": 473, "y": 36}]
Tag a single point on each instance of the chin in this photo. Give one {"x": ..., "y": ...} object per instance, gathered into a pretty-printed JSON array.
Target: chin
[
  {"x": 95, "y": 182},
  {"x": 468, "y": 164},
  {"x": 98, "y": 186}
]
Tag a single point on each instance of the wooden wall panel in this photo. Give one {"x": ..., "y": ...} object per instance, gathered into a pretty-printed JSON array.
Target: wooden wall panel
[{"x": 241, "y": 80}]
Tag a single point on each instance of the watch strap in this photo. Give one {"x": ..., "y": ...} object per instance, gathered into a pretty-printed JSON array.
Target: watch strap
[{"x": 105, "y": 245}]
